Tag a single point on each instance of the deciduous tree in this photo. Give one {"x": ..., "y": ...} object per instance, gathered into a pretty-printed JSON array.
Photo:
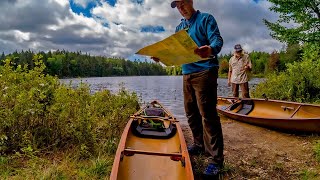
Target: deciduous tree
[{"x": 299, "y": 21}]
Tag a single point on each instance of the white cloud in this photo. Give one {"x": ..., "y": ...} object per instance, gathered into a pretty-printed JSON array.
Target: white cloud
[
  {"x": 21, "y": 36},
  {"x": 82, "y": 3},
  {"x": 47, "y": 25},
  {"x": 61, "y": 2}
]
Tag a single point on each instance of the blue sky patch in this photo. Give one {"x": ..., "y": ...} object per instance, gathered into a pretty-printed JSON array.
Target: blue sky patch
[
  {"x": 81, "y": 10},
  {"x": 111, "y": 2},
  {"x": 154, "y": 29}
]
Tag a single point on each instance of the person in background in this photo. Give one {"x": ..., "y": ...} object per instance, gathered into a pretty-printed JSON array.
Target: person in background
[
  {"x": 200, "y": 85},
  {"x": 239, "y": 67}
]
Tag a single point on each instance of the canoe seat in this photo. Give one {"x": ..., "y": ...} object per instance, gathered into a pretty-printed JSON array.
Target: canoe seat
[
  {"x": 157, "y": 132},
  {"x": 153, "y": 111},
  {"x": 247, "y": 107}
]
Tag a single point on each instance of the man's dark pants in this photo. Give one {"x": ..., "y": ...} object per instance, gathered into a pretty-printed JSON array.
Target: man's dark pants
[
  {"x": 244, "y": 89},
  {"x": 200, "y": 99}
]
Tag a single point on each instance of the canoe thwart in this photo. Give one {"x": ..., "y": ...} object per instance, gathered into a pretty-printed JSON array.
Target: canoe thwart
[
  {"x": 155, "y": 118},
  {"x": 295, "y": 111},
  {"x": 173, "y": 156},
  {"x": 131, "y": 152},
  {"x": 287, "y": 107}
]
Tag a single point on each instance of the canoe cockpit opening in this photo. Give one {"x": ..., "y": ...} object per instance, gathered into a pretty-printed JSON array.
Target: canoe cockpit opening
[
  {"x": 154, "y": 122},
  {"x": 149, "y": 128}
]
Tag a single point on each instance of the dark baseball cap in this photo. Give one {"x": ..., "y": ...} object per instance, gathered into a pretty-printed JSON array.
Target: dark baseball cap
[
  {"x": 237, "y": 47},
  {"x": 173, "y": 3}
]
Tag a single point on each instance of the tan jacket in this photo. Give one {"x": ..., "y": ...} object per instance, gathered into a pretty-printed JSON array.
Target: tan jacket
[{"x": 237, "y": 67}]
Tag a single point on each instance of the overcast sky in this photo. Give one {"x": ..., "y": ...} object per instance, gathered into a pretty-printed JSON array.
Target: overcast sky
[{"x": 121, "y": 27}]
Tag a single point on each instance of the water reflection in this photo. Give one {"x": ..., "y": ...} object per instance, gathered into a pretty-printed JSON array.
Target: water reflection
[{"x": 166, "y": 89}]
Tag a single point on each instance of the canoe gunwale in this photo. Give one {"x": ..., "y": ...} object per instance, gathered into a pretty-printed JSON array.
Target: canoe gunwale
[
  {"x": 119, "y": 153},
  {"x": 270, "y": 100},
  {"x": 260, "y": 117}
]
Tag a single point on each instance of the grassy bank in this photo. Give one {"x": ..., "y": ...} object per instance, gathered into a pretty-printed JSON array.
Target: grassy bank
[{"x": 52, "y": 131}]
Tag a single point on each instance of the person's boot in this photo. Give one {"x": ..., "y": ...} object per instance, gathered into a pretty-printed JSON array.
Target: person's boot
[{"x": 212, "y": 171}]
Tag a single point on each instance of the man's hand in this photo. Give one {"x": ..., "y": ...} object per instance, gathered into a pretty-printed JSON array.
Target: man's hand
[
  {"x": 229, "y": 83},
  {"x": 203, "y": 51},
  {"x": 247, "y": 68},
  {"x": 155, "y": 59}
]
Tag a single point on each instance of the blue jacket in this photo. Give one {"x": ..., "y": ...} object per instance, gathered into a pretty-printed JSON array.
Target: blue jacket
[{"x": 203, "y": 29}]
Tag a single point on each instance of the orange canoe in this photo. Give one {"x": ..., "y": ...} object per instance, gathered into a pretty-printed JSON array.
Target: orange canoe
[
  {"x": 274, "y": 114},
  {"x": 152, "y": 146}
]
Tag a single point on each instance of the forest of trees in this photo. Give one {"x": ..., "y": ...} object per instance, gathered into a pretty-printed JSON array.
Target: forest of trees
[
  {"x": 263, "y": 62},
  {"x": 76, "y": 64}
]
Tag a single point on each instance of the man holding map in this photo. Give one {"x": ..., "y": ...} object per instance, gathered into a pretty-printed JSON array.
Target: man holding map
[{"x": 200, "y": 84}]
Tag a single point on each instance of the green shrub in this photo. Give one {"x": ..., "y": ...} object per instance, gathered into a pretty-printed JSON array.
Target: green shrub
[
  {"x": 224, "y": 66},
  {"x": 316, "y": 149},
  {"x": 39, "y": 114},
  {"x": 300, "y": 82}
]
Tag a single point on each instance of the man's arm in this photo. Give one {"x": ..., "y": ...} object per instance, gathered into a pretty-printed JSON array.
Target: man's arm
[
  {"x": 249, "y": 63},
  {"x": 214, "y": 38},
  {"x": 248, "y": 66},
  {"x": 229, "y": 73},
  {"x": 213, "y": 35}
]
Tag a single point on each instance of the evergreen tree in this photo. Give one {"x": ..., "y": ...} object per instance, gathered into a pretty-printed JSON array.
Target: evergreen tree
[{"x": 3, "y": 56}]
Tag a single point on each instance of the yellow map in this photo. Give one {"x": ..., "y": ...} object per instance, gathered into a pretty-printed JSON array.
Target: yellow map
[{"x": 176, "y": 49}]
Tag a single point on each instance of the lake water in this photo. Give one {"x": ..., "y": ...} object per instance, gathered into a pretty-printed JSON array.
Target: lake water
[{"x": 166, "y": 89}]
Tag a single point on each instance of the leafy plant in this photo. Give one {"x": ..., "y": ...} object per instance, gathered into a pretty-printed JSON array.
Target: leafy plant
[
  {"x": 38, "y": 114},
  {"x": 300, "y": 82},
  {"x": 316, "y": 149}
]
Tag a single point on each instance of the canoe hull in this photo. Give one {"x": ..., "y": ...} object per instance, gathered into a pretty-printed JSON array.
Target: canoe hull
[
  {"x": 280, "y": 115},
  {"x": 140, "y": 157}
]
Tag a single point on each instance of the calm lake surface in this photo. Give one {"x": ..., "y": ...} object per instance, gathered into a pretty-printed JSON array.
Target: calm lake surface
[{"x": 166, "y": 89}]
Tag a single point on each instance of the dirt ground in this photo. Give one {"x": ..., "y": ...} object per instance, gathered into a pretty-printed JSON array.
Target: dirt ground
[{"x": 253, "y": 152}]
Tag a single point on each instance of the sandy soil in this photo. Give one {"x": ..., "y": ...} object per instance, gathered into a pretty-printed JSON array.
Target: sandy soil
[{"x": 253, "y": 152}]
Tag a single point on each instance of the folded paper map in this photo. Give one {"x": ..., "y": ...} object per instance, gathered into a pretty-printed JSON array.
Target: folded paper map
[{"x": 176, "y": 49}]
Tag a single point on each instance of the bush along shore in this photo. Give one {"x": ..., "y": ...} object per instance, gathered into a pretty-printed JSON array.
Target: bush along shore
[{"x": 49, "y": 130}]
